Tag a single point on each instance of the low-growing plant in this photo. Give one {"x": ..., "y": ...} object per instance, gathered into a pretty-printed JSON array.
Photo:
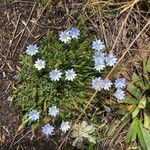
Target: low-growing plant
[
  {"x": 83, "y": 131},
  {"x": 135, "y": 109},
  {"x": 57, "y": 78},
  {"x": 36, "y": 90},
  {"x": 139, "y": 90}
]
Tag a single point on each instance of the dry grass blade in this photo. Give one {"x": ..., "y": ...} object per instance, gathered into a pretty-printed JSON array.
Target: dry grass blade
[
  {"x": 32, "y": 29},
  {"x": 129, "y": 5},
  {"x": 24, "y": 29},
  {"x": 121, "y": 28},
  {"x": 11, "y": 41}
]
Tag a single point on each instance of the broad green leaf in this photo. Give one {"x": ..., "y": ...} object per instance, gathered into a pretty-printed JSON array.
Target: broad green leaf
[
  {"x": 138, "y": 131},
  {"x": 138, "y": 81},
  {"x": 134, "y": 91},
  {"x": 143, "y": 137},
  {"x": 133, "y": 131},
  {"x": 121, "y": 111},
  {"x": 130, "y": 100},
  {"x": 135, "y": 77}
]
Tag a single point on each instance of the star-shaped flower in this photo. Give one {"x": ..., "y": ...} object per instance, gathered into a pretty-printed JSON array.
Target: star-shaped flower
[
  {"x": 34, "y": 115},
  {"x": 53, "y": 111},
  {"x": 74, "y": 33},
  {"x": 39, "y": 64},
  {"x": 98, "y": 55},
  {"x": 32, "y": 49},
  {"x": 96, "y": 84},
  {"x": 111, "y": 60},
  {"x": 55, "y": 75},
  {"x": 70, "y": 75},
  {"x": 106, "y": 84},
  {"x": 98, "y": 45},
  {"x": 65, "y": 36},
  {"x": 65, "y": 126},
  {"x": 47, "y": 129},
  {"x": 99, "y": 65},
  {"x": 120, "y": 83},
  {"x": 119, "y": 94}
]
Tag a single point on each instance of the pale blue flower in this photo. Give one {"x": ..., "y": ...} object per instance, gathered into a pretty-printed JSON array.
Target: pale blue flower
[
  {"x": 96, "y": 84},
  {"x": 70, "y": 75},
  {"x": 106, "y": 84},
  {"x": 47, "y": 129},
  {"x": 65, "y": 126},
  {"x": 39, "y": 64},
  {"x": 98, "y": 45},
  {"x": 53, "y": 111},
  {"x": 74, "y": 33},
  {"x": 32, "y": 49},
  {"x": 55, "y": 75},
  {"x": 99, "y": 65},
  {"x": 120, "y": 83},
  {"x": 119, "y": 94},
  {"x": 34, "y": 115},
  {"x": 65, "y": 36},
  {"x": 111, "y": 60},
  {"x": 98, "y": 55}
]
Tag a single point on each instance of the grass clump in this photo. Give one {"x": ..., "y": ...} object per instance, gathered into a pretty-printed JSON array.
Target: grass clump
[{"x": 36, "y": 90}]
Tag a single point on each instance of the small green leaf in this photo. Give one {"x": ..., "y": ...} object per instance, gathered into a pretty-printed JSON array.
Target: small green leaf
[
  {"x": 134, "y": 91},
  {"x": 133, "y": 131},
  {"x": 137, "y": 131},
  {"x": 142, "y": 102},
  {"x": 135, "y": 77},
  {"x": 143, "y": 137},
  {"x": 135, "y": 112},
  {"x": 130, "y": 100},
  {"x": 82, "y": 131},
  {"x": 138, "y": 81}
]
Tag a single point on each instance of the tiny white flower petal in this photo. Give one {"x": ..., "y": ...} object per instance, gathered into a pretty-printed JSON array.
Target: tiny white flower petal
[
  {"x": 74, "y": 33},
  {"x": 53, "y": 111},
  {"x": 98, "y": 45},
  {"x": 47, "y": 129},
  {"x": 65, "y": 36},
  {"x": 96, "y": 84},
  {"x": 119, "y": 94},
  {"x": 55, "y": 75},
  {"x": 107, "y": 84},
  {"x": 39, "y": 64},
  {"x": 111, "y": 60},
  {"x": 120, "y": 82},
  {"x": 34, "y": 115},
  {"x": 65, "y": 126},
  {"x": 70, "y": 75},
  {"x": 32, "y": 49},
  {"x": 99, "y": 65}
]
